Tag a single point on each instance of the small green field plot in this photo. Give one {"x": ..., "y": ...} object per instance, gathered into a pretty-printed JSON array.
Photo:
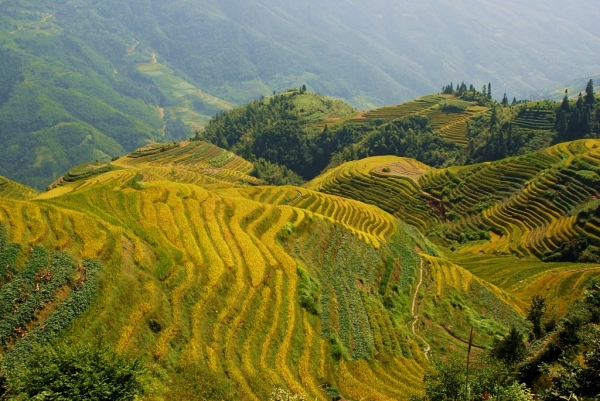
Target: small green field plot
[
  {"x": 403, "y": 110},
  {"x": 14, "y": 190},
  {"x": 535, "y": 119},
  {"x": 152, "y": 149},
  {"x": 184, "y": 100},
  {"x": 82, "y": 172},
  {"x": 87, "y": 170}
]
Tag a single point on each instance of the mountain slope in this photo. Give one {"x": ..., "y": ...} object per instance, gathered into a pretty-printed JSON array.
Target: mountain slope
[
  {"x": 501, "y": 219},
  {"x": 359, "y": 51},
  {"x": 226, "y": 289},
  {"x": 14, "y": 190}
]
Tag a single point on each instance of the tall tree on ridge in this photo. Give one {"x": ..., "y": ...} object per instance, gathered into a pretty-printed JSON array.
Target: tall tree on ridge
[{"x": 589, "y": 93}]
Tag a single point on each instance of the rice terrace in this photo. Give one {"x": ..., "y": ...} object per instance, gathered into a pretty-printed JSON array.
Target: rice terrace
[
  {"x": 210, "y": 200},
  {"x": 346, "y": 285}
]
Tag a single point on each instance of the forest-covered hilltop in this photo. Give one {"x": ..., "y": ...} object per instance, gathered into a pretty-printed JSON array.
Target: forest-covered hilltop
[{"x": 307, "y": 133}]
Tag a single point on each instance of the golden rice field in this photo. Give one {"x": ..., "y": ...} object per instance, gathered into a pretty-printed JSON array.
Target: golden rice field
[
  {"x": 201, "y": 271},
  {"x": 314, "y": 289},
  {"x": 231, "y": 308}
]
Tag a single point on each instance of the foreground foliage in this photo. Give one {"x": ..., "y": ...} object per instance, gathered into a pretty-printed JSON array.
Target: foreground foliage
[{"x": 67, "y": 373}]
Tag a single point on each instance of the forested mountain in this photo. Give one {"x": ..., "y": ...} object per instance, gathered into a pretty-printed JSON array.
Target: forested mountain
[
  {"x": 307, "y": 133},
  {"x": 365, "y": 52}
]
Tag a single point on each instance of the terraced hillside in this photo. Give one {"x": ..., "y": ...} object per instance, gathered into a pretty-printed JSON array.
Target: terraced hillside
[
  {"x": 14, "y": 190},
  {"x": 232, "y": 286},
  {"x": 536, "y": 204},
  {"x": 536, "y": 208},
  {"x": 389, "y": 182},
  {"x": 448, "y": 114},
  {"x": 192, "y": 163}
]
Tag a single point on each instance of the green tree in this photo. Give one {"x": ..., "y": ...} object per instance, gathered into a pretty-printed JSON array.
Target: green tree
[
  {"x": 66, "y": 373},
  {"x": 589, "y": 93},
  {"x": 448, "y": 382},
  {"x": 505, "y": 101},
  {"x": 494, "y": 118},
  {"x": 511, "y": 349},
  {"x": 489, "y": 91},
  {"x": 535, "y": 313}
]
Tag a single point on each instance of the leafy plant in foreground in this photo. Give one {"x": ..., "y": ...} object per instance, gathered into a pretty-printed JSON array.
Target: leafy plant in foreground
[{"x": 80, "y": 373}]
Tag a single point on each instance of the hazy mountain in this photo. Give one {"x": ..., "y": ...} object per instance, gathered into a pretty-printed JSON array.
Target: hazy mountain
[
  {"x": 83, "y": 80},
  {"x": 368, "y": 52}
]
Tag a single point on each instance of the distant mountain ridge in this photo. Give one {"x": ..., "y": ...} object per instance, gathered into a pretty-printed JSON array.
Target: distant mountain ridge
[{"x": 83, "y": 80}]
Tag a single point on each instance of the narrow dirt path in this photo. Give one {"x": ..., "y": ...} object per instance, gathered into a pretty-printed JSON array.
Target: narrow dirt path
[
  {"x": 293, "y": 202},
  {"x": 416, "y": 317}
]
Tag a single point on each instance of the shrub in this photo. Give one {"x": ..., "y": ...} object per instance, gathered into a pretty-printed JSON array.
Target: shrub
[
  {"x": 308, "y": 290},
  {"x": 77, "y": 373}
]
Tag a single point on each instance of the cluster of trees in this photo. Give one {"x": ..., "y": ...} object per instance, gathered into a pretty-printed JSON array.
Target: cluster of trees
[
  {"x": 276, "y": 130},
  {"x": 578, "y": 120},
  {"x": 275, "y": 174},
  {"x": 497, "y": 140},
  {"x": 484, "y": 97},
  {"x": 411, "y": 137},
  {"x": 560, "y": 359}
]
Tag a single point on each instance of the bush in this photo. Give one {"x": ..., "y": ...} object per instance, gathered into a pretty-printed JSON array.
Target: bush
[
  {"x": 308, "y": 290},
  {"x": 77, "y": 373}
]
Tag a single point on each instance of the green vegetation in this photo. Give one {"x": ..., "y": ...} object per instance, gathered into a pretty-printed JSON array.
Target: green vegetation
[
  {"x": 62, "y": 103},
  {"x": 14, "y": 190},
  {"x": 308, "y": 134},
  {"x": 75, "y": 373},
  {"x": 224, "y": 287},
  {"x": 182, "y": 100}
]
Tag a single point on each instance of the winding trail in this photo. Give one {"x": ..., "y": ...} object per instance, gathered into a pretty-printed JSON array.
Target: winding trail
[
  {"x": 293, "y": 202},
  {"x": 416, "y": 317}
]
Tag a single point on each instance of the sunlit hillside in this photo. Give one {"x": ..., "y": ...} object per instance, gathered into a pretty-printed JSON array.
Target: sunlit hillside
[
  {"x": 528, "y": 224},
  {"x": 176, "y": 254}
]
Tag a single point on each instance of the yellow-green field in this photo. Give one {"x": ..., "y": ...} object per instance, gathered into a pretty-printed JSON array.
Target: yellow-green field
[
  {"x": 351, "y": 283},
  {"x": 498, "y": 220},
  {"x": 447, "y": 113},
  {"x": 14, "y": 190}
]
